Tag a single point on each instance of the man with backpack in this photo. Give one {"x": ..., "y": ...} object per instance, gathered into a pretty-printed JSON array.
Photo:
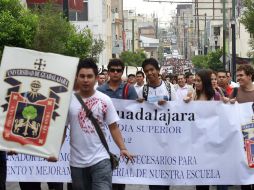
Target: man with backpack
[
  {"x": 155, "y": 91},
  {"x": 116, "y": 88}
]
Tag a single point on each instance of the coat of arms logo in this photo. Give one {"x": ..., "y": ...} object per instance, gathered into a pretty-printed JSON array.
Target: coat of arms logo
[
  {"x": 30, "y": 113},
  {"x": 248, "y": 136}
]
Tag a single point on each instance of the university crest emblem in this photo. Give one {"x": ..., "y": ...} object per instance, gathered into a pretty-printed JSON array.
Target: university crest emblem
[
  {"x": 30, "y": 113},
  {"x": 248, "y": 136}
]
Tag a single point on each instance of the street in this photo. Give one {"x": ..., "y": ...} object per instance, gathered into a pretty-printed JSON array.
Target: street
[{"x": 15, "y": 186}]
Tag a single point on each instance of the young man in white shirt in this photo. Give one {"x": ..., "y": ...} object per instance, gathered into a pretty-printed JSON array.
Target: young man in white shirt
[
  {"x": 155, "y": 91},
  {"x": 140, "y": 76},
  {"x": 89, "y": 160},
  {"x": 158, "y": 91}
]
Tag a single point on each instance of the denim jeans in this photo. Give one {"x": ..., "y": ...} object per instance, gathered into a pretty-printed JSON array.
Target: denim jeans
[
  {"x": 222, "y": 187},
  {"x": 2, "y": 170},
  {"x": 159, "y": 187},
  {"x": 96, "y": 177}
]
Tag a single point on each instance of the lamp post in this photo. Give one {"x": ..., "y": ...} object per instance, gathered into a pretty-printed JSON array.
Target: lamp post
[
  {"x": 224, "y": 35},
  {"x": 233, "y": 42}
]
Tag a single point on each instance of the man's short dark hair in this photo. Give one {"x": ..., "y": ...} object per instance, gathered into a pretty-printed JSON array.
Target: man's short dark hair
[
  {"x": 101, "y": 73},
  {"x": 140, "y": 72},
  {"x": 88, "y": 63},
  {"x": 151, "y": 61},
  {"x": 222, "y": 71},
  {"x": 188, "y": 74},
  {"x": 248, "y": 70},
  {"x": 131, "y": 75},
  {"x": 115, "y": 62}
]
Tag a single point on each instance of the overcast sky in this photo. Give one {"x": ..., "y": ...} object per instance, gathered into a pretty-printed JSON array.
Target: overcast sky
[{"x": 163, "y": 10}]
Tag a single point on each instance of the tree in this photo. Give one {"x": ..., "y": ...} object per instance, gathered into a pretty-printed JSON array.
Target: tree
[
  {"x": 133, "y": 59},
  {"x": 248, "y": 15},
  {"x": 200, "y": 61},
  {"x": 247, "y": 19},
  {"x": 30, "y": 112},
  {"x": 17, "y": 25},
  {"x": 213, "y": 60},
  {"x": 209, "y": 61},
  {"x": 45, "y": 30},
  {"x": 53, "y": 31}
]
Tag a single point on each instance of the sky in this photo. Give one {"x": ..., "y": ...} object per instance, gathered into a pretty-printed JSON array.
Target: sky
[{"x": 164, "y": 11}]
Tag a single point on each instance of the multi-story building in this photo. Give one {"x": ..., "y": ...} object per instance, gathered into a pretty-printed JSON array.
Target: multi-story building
[
  {"x": 141, "y": 33},
  {"x": 118, "y": 35},
  {"x": 184, "y": 29},
  {"x": 205, "y": 26},
  {"x": 98, "y": 21}
]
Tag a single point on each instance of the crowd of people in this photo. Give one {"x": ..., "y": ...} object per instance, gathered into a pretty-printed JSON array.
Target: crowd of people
[{"x": 89, "y": 160}]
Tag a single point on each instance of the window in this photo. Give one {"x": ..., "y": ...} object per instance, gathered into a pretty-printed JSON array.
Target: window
[
  {"x": 216, "y": 31},
  {"x": 80, "y": 16}
]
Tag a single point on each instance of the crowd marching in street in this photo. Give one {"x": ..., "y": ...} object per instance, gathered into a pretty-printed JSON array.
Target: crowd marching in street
[{"x": 89, "y": 158}]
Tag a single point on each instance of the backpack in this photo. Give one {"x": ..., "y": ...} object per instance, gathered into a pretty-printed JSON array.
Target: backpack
[
  {"x": 146, "y": 89},
  {"x": 125, "y": 91}
]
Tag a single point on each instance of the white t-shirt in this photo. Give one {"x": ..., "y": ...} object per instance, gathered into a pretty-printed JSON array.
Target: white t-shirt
[
  {"x": 86, "y": 148},
  {"x": 158, "y": 93},
  {"x": 181, "y": 92}
]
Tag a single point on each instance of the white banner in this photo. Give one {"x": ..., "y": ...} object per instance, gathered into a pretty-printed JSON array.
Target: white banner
[
  {"x": 177, "y": 144},
  {"x": 34, "y": 97}
]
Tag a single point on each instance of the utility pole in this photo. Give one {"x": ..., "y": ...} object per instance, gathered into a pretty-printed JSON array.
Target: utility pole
[
  {"x": 66, "y": 9},
  {"x": 133, "y": 36},
  {"x": 224, "y": 35},
  {"x": 233, "y": 72},
  {"x": 205, "y": 38}
]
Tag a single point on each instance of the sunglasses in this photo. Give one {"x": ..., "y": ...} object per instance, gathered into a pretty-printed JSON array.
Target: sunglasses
[{"x": 116, "y": 70}]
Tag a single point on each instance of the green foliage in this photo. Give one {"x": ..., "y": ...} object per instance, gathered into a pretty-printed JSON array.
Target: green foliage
[
  {"x": 53, "y": 30},
  {"x": 210, "y": 61},
  {"x": 17, "y": 25},
  {"x": 213, "y": 61},
  {"x": 248, "y": 15},
  {"x": 247, "y": 18},
  {"x": 200, "y": 61},
  {"x": 45, "y": 30},
  {"x": 30, "y": 112},
  {"x": 133, "y": 59}
]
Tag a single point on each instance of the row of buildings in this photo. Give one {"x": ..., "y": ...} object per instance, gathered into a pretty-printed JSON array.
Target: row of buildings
[
  {"x": 199, "y": 26},
  {"x": 205, "y": 25},
  {"x": 121, "y": 30}
]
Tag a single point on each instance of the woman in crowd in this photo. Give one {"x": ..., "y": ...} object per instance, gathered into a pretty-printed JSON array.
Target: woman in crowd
[
  {"x": 215, "y": 84},
  {"x": 206, "y": 90}
]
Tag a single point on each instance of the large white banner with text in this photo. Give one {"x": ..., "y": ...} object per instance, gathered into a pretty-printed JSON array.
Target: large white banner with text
[
  {"x": 176, "y": 144},
  {"x": 34, "y": 98}
]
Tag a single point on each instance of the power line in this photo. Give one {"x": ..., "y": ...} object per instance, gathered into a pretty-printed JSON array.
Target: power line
[{"x": 185, "y": 2}]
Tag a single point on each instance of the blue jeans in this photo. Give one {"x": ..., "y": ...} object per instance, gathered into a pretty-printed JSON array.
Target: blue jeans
[
  {"x": 96, "y": 177},
  {"x": 2, "y": 170},
  {"x": 222, "y": 187}
]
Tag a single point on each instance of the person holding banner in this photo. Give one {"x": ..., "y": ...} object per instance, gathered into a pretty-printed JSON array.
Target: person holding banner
[
  {"x": 245, "y": 93},
  {"x": 205, "y": 91},
  {"x": 155, "y": 91},
  {"x": 89, "y": 160},
  {"x": 2, "y": 170},
  {"x": 117, "y": 88}
]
